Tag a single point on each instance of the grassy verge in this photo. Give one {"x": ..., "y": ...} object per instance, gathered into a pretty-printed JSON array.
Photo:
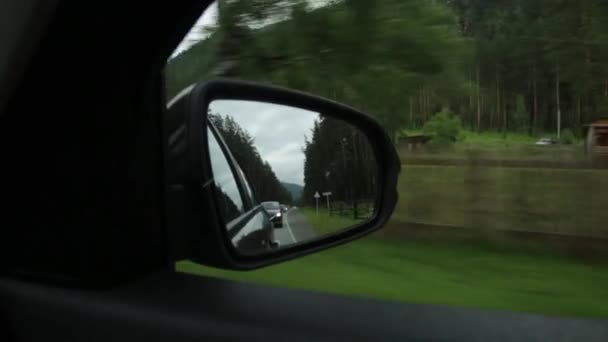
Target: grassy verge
[
  {"x": 324, "y": 223},
  {"x": 442, "y": 273},
  {"x": 493, "y": 146}
]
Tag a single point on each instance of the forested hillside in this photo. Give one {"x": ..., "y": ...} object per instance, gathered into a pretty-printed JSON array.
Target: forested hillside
[
  {"x": 294, "y": 189},
  {"x": 523, "y": 65}
]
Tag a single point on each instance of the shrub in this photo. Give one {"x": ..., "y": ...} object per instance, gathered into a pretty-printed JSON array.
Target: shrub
[
  {"x": 567, "y": 137},
  {"x": 444, "y": 127}
]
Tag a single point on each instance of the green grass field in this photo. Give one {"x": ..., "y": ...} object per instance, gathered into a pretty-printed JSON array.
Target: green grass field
[
  {"x": 324, "y": 223},
  {"x": 444, "y": 268},
  {"x": 440, "y": 273}
]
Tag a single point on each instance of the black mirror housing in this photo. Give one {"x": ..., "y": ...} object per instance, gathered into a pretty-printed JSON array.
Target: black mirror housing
[{"x": 195, "y": 224}]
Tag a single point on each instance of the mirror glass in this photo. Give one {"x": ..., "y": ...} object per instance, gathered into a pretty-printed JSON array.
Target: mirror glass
[{"x": 285, "y": 175}]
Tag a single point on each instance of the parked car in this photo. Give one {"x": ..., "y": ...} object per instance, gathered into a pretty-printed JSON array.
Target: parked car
[
  {"x": 276, "y": 214},
  {"x": 546, "y": 141}
]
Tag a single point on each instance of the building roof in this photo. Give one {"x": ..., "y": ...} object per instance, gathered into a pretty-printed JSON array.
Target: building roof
[{"x": 599, "y": 123}]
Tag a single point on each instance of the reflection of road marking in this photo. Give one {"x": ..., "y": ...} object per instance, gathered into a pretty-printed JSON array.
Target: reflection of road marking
[{"x": 289, "y": 229}]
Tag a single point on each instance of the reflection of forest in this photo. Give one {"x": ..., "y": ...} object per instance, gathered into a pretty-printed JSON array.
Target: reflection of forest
[
  {"x": 258, "y": 173},
  {"x": 338, "y": 159}
]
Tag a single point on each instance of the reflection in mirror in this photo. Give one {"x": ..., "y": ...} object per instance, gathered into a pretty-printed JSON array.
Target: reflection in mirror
[{"x": 290, "y": 175}]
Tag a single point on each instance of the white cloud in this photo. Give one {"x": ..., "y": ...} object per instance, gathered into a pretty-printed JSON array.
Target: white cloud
[
  {"x": 279, "y": 133},
  {"x": 288, "y": 163}
]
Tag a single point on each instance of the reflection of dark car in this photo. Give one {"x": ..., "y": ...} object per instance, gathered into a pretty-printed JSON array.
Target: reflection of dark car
[
  {"x": 248, "y": 223},
  {"x": 275, "y": 212}
]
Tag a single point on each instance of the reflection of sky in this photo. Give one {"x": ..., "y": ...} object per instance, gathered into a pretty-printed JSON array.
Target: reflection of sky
[{"x": 278, "y": 131}]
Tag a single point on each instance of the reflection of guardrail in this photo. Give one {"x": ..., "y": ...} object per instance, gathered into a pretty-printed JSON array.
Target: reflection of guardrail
[{"x": 359, "y": 210}]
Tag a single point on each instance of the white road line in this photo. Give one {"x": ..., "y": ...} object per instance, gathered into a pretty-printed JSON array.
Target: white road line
[{"x": 289, "y": 229}]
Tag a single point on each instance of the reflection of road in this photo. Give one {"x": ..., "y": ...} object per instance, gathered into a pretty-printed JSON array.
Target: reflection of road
[{"x": 295, "y": 228}]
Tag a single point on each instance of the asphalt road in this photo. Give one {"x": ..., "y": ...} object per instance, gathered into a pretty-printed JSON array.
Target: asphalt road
[{"x": 296, "y": 229}]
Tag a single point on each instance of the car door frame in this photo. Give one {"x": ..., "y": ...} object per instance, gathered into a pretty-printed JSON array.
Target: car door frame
[
  {"x": 250, "y": 207},
  {"x": 235, "y": 168}
]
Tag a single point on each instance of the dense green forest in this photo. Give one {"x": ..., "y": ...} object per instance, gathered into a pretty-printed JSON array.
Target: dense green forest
[
  {"x": 338, "y": 159},
  {"x": 262, "y": 179},
  {"x": 531, "y": 66}
]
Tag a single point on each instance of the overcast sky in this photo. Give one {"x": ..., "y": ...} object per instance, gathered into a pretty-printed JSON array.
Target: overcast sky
[
  {"x": 209, "y": 19},
  {"x": 278, "y": 131}
]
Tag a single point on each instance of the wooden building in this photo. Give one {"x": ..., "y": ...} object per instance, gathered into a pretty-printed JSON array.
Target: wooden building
[{"x": 596, "y": 142}]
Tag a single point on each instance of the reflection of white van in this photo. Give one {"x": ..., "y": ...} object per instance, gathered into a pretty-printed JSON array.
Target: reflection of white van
[{"x": 596, "y": 143}]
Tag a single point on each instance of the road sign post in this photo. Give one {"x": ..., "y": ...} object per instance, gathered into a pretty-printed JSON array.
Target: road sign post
[
  {"x": 317, "y": 196},
  {"x": 327, "y": 194}
]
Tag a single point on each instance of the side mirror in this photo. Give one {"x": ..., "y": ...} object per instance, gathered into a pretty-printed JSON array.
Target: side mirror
[{"x": 258, "y": 174}]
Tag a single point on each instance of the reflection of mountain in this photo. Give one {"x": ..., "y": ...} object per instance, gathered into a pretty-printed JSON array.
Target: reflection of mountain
[{"x": 294, "y": 189}]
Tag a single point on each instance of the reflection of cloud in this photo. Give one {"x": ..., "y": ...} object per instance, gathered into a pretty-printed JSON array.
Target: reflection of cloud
[
  {"x": 284, "y": 152},
  {"x": 278, "y": 131},
  {"x": 289, "y": 159},
  {"x": 265, "y": 119}
]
